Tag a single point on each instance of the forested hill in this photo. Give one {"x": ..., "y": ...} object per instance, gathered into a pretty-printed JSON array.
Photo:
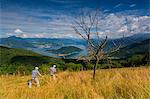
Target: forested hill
[
  {"x": 14, "y": 56},
  {"x": 138, "y": 48}
]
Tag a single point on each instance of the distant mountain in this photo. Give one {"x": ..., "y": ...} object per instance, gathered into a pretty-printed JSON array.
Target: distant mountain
[
  {"x": 138, "y": 48},
  {"x": 140, "y": 36},
  {"x": 18, "y": 42},
  {"x": 56, "y": 41},
  {"x": 44, "y": 44},
  {"x": 128, "y": 40},
  {"x": 15, "y": 42}
]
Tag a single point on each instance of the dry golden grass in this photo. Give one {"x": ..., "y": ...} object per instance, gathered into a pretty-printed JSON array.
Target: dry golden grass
[{"x": 125, "y": 83}]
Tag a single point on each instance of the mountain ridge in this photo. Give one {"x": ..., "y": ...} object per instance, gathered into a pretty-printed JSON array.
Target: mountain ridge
[{"x": 56, "y": 43}]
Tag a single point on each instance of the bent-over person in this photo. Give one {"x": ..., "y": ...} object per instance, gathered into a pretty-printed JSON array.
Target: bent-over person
[{"x": 35, "y": 72}]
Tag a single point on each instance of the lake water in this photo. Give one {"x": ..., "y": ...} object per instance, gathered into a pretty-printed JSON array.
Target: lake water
[{"x": 46, "y": 53}]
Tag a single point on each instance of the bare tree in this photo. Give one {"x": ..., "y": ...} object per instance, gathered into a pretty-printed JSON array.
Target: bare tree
[{"x": 87, "y": 26}]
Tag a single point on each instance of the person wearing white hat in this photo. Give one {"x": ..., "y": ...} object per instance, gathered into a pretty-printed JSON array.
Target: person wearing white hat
[
  {"x": 35, "y": 72},
  {"x": 53, "y": 71}
]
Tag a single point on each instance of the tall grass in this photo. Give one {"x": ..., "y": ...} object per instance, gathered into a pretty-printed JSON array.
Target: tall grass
[{"x": 126, "y": 83}]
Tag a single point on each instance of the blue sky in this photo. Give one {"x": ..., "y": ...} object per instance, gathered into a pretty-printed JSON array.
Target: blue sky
[{"x": 53, "y": 18}]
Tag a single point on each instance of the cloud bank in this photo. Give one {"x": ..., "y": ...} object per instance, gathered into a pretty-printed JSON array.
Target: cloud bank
[{"x": 57, "y": 22}]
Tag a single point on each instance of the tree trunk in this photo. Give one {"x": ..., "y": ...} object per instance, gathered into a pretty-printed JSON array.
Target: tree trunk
[{"x": 95, "y": 66}]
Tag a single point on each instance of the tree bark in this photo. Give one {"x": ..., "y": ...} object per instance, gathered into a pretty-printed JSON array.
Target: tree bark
[{"x": 95, "y": 66}]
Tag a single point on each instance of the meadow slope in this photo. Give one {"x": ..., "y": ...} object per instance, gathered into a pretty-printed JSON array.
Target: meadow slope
[{"x": 124, "y": 83}]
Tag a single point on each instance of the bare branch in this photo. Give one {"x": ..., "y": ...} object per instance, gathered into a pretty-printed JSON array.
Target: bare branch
[
  {"x": 96, "y": 29},
  {"x": 93, "y": 19},
  {"x": 82, "y": 26},
  {"x": 91, "y": 44},
  {"x": 115, "y": 49},
  {"x": 102, "y": 45},
  {"x": 77, "y": 32}
]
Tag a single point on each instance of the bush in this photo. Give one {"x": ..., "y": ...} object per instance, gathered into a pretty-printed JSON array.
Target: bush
[
  {"x": 89, "y": 66},
  {"x": 135, "y": 60},
  {"x": 44, "y": 68},
  {"x": 116, "y": 64},
  {"x": 73, "y": 66},
  {"x": 16, "y": 68},
  {"x": 104, "y": 66}
]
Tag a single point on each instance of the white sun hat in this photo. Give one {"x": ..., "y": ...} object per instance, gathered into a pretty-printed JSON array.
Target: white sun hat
[
  {"x": 54, "y": 65},
  {"x": 36, "y": 68}
]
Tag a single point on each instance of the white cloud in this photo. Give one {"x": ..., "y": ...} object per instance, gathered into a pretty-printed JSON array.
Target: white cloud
[
  {"x": 60, "y": 25},
  {"x": 118, "y": 5},
  {"x": 118, "y": 24},
  {"x": 132, "y": 5},
  {"x": 46, "y": 35},
  {"x": 123, "y": 29},
  {"x": 106, "y": 10},
  {"x": 18, "y": 31}
]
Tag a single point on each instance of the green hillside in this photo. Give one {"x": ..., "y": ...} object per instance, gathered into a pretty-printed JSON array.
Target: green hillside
[
  {"x": 11, "y": 56},
  {"x": 139, "y": 48},
  {"x": 18, "y": 60},
  {"x": 12, "y": 59},
  {"x": 23, "y": 61},
  {"x": 135, "y": 54}
]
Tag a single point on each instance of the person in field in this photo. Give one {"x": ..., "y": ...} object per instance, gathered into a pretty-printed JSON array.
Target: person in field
[
  {"x": 53, "y": 72},
  {"x": 35, "y": 72}
]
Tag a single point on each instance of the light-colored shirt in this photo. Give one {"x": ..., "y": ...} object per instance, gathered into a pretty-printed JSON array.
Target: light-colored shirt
[
  {"x": 52, "y": 70},
  {"x": 34, "y": 73}
]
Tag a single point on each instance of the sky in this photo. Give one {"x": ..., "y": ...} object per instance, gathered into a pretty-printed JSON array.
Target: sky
[{"x": 54, "y": 18}]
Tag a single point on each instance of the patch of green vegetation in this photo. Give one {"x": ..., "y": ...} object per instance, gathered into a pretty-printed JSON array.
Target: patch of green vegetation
[
  {"x": 14, "y": 60},
  {"x": 139, "y": 48},
  {"x": 23, "y": 61},
  {"x": 6, "y": 54}
]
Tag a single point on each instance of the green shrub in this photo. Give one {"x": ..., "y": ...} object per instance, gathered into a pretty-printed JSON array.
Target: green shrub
[
  {"x": 73, "y": 66},
  {"x": 89, "y": 66},
  {"x": 135, "y": 60},
  {"x": 44, "y": 68},
  {"x": 116, "y": 64}
]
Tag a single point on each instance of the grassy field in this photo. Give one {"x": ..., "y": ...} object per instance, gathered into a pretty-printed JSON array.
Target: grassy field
[{"x": 124, "y": 83}]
